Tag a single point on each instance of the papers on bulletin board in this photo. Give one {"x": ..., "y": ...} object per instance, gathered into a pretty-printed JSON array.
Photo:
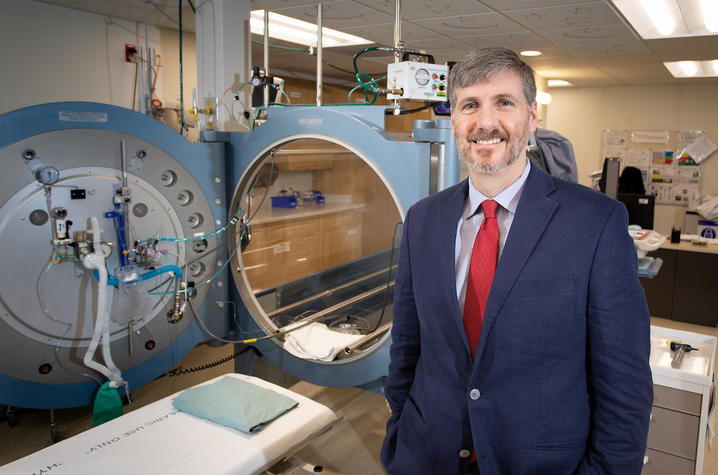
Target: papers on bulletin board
[
  {"x": 615, "y": 138},
  {"x": 699, "y": 149},
  {"x": 669, "y": 161},
  {"x": 638, "y": 157},
  {"x": 650, "y": 136}
]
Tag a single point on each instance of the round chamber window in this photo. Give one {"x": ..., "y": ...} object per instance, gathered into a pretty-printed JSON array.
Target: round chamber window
[{"x": 317, "y": 266}]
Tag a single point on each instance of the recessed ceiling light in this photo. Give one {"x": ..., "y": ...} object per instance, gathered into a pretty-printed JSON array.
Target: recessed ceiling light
[
  {"x": 558, "y": 83},
  {"x": 531, "y": 53},
  {"x": 301, "y": 32},
  {"x": 543, "y": 97},
  {"x": 693, "y": 69}
]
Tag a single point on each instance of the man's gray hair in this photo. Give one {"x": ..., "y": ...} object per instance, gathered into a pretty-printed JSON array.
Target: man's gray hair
[{"x": 481, "y": 65}]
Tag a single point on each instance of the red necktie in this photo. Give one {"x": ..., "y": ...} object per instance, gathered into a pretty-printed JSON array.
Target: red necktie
[{"x": 481, "y": 273}]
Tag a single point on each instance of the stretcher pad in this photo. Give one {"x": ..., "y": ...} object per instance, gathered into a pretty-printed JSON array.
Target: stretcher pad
[{"x": 160, "y": 439}]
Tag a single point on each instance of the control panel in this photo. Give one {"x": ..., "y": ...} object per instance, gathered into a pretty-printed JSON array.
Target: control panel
[{"x": 415, "y": 80}]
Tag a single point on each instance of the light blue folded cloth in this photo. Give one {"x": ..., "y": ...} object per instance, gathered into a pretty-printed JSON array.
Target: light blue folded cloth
[{"x": 234, "y": 403}]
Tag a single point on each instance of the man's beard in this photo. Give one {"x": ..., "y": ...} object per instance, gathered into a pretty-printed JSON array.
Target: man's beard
[{"x": 514, "y": 151}]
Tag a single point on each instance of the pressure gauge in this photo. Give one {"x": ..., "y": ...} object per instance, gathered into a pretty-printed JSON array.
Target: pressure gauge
[
  {"x": 47, "y": 175},
  {"x": 422, "y": 77},
  {"x": 106, "y": 249}
]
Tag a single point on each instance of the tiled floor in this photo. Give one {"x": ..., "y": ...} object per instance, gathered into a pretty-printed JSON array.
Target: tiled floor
[{"x": 351, "y": 447}]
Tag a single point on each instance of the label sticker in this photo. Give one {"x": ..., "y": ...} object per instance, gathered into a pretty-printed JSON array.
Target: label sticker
[
  {"x": 282, "y": 248},
  {"x": 78, "y": 116}
]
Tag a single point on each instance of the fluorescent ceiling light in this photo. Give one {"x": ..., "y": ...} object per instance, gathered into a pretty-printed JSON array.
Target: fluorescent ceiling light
[
  {"x": 558, "y": 83},
  {"x": 693, "y": 69},
  {"x": 297, "y": 31},
  {"x": 652, "y": 19},
  {"x": 661, "y": 15},
  {"x": 689, "y": 68},
  {"x": 710, "y": 14},
  {"x": 543, "y": 97},
  {"x": 531, "y": 53}
]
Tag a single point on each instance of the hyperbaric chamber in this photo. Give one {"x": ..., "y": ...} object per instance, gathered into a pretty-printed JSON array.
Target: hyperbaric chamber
[{"x": 320, "y": 268}]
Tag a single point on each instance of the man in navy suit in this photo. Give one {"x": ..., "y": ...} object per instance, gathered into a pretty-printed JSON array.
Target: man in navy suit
[{"x": 558, "y": 381}]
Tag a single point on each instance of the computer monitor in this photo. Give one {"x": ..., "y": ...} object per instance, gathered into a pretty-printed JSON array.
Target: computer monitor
[{"x": 640, "y": 208}]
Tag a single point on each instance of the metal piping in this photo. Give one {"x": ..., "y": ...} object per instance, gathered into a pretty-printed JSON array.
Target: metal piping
[
  {"x": 320, "y": 50},
  {"x": 367, "y": 338},
  {"x": 123, "y": 164},
  {"x": 266, "y": 57},
  {"x": 327, "y": 292},
  {"x": 397, "y": 31},
  {"x": 323, "y": 313}
]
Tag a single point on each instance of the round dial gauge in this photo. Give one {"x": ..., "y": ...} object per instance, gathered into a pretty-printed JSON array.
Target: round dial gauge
[
  {"x": 47, "y": 175},
  {"x": 105, "y": 249},
  {"x": 422, "y": 77}
]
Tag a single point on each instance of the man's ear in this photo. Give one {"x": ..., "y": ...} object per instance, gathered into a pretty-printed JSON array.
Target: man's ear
[{"x": 533, "y": 117}]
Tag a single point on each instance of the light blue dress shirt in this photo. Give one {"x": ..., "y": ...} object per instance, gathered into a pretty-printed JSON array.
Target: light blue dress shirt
[{"x": 470, "y": 222}]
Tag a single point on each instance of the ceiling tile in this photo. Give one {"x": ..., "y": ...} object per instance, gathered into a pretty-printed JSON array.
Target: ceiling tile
[
  {"x": 677, "y": 49},
  {"x": 471, "y": 25},
  {"x": 338, "y": 15},
  {"x": 276, "y": 5},
  {"x": 383, "y": 34},
  {"x": 596, "y": 40},
  {"x": 514, "y": 41},
  {"x": 423, "y": 9},
  {"x": 638, "y": 73},
  {"x": 566, "y": 16},
  {"x": 506, "y": 5},
  {"x": 442, "y": 49}
]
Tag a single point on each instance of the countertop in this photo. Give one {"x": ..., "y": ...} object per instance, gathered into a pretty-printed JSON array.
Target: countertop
[{"x": 688, "y": 246}]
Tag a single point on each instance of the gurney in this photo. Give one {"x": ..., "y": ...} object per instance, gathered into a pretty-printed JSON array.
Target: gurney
[{"x": 158, "y": 438}]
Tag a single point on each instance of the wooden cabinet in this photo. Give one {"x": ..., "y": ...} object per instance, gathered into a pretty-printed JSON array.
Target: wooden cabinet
[
  {"x": 685, "y": 287},
  {"x": 308, "y": 155},
  {"x": 340, "y": 238},
  {"x": 287, "y": 249}
]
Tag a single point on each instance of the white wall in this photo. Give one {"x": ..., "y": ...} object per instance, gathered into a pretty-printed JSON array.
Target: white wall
[
  {"x": 52, "y": 53},
  {"x": 581, "y": 114}
]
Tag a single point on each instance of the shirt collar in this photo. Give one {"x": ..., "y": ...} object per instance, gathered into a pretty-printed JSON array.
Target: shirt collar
[{"x": 507, "y": 199}]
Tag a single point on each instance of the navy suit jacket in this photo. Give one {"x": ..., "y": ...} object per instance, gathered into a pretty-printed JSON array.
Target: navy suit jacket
[{"x": 562, "y": 364}]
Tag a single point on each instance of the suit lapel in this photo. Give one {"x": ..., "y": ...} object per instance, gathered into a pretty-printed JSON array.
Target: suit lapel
[
  {"x": 448, "y": 215},
  {"x": 533, "y": 214}
]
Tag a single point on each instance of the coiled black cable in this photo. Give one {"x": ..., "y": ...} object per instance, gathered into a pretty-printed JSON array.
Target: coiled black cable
[{"x": 202, "y": 367}]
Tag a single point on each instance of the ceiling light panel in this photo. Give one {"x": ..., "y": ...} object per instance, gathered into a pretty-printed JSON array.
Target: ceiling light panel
[
  {"x": 688, "y": 16},
  {"x": 558, "y": 83},
  {"x": 339, "y": 15},
  {"x": 693, "y": 69},
  {"x": 300, "y": 32}
]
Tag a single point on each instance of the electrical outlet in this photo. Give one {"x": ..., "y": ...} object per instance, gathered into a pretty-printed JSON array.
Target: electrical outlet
[{"x": 130, "y": 53}]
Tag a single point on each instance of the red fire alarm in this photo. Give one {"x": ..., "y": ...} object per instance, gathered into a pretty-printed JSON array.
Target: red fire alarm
[{"x": 130, "y": 53}]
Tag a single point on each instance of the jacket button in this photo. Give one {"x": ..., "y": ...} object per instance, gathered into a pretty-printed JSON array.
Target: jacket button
[
  {"x": 464, "y": 453},
  {"x": 475, "y": 394}
]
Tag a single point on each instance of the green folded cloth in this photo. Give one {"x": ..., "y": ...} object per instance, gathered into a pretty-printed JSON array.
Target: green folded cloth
[{"x": 234, "y": 403}]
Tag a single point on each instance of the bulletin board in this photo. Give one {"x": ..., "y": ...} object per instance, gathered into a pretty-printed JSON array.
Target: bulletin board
[{"x": 670, "y": 161}]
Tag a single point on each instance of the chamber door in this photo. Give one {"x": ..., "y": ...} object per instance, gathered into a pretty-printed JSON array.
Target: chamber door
[
  {"x": 318, "y": 270},
  {"x": 64, "y": 164}
]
